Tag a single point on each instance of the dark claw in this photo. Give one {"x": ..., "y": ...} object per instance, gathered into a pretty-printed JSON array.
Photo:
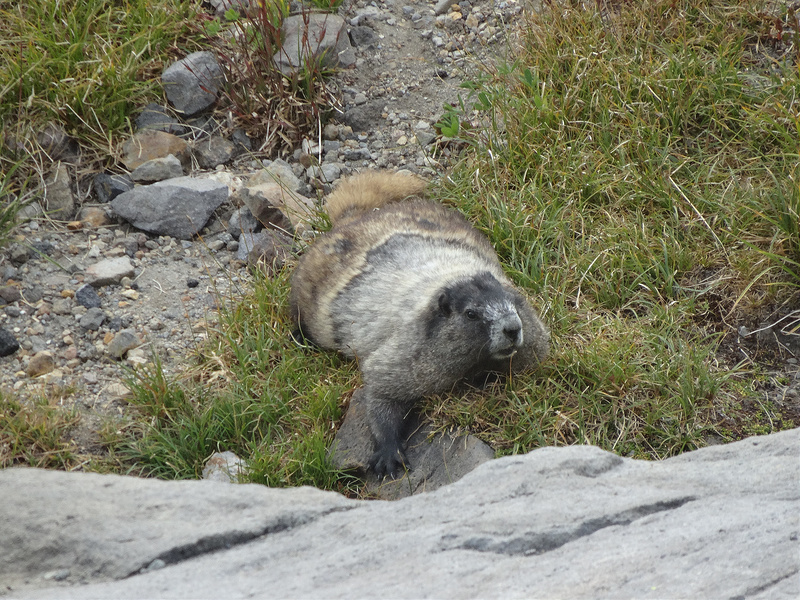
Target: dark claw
[{"x": 389, "y": 463}]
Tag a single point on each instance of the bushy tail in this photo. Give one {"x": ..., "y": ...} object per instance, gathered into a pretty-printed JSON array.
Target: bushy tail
[{"x": 372, "y": 189}]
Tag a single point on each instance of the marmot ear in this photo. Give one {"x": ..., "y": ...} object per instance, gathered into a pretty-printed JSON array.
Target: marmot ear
[{"x": 444, "y": 304}]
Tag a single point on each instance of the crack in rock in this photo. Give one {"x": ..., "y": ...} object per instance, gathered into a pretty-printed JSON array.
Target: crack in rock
[
  {"x": 750, "y": 592},
  {"x": 533, "y": 543},
  {"x": 227, "y": 540}
]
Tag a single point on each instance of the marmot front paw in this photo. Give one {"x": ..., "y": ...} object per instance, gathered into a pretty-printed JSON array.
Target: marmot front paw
[{"x": 389, "y": 462}]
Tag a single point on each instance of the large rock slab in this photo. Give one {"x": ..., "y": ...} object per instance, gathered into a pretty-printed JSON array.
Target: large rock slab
[
  {"x": 576, "y": 522},
  {"x": 178, "y": 207}
]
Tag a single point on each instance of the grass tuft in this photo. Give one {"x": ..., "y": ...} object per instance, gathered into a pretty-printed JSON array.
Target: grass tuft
[{"x": 36, "y": 433}]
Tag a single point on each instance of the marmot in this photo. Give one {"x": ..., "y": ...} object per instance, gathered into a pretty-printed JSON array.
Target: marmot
[{"x": 416, "y": 294}]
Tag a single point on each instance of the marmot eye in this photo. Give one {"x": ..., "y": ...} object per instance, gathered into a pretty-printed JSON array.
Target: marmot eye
[{"x": 472, "y": 315}]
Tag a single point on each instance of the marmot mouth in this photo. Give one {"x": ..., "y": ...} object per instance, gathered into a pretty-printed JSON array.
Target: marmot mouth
[{"x": 503, "y": 354}]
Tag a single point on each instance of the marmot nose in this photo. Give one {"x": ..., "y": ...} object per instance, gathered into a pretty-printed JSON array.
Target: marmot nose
[{"x": 512, "y": 333}]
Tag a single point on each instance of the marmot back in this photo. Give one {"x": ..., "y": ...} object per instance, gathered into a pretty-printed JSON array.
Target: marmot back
[{"x": 416, "y": 294}]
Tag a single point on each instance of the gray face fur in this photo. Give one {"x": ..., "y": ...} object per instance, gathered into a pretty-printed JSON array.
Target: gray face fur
[{"x": 485, "y": 315}]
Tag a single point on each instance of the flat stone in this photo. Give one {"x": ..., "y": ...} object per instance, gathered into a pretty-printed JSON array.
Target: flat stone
[
  {"x": 123, "y": 341},
  {"x": 94, "y": 216},
  {"x": 109, "y": 271},
  {"x": 149, "y": 144},
  {"x": 272, "y": 205},
  {"x": 177, "y": 207},
  {"x": 10, "y": 293},
  {"x": 156, "y": 117},
  {"x": 278, "y": 171},
  {"x": 93, "y": 319},
  {"x": 158, "y": 169}
]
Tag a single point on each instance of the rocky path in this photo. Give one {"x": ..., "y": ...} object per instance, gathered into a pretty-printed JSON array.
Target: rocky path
[{"x": 87, "y": 295}]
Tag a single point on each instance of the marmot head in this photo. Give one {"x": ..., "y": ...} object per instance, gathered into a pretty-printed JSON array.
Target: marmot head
[{"x": 480, "y": 318}]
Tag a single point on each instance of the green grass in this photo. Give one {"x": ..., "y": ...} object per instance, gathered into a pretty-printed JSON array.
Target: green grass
[
  {"x": 87, "y": 65},
  {"x": 637, "y": 171},
  {"x": 36, "y": 433},
  {"x": 632, "y": 180}
]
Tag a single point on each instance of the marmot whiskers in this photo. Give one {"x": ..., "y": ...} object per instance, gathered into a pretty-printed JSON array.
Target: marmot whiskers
[{"x": 416, "y": 294}]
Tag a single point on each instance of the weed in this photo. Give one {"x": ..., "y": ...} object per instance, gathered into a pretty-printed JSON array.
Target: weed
[
  {"x": 279, "y": 107},
  {"x": 35, "y": 433}
]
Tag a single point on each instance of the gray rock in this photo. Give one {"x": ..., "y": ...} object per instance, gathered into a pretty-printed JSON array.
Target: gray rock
[
  {"x": 575, "y": 522},
  {"x": 242, "y": 221},
  {"x": 18, "y": 254},
  {"x": 87, "y": 296},
  {"x": 322, "y": 36},
  {"x": 224, "y": 467},
  {"x": 59, "y": 200},
  {"x": 442, "y": 6},
  {"x": 240, "y": 137},
  {"x": 108, "y": 186},
  {"x": 247, "y": 242},
  {"x": 109, "y": 271},
  {"x": 213, "y": 151},
  {"x": 425, "y": 137},
  {"x": 40, "y": 363},
  {"x": 326, "y": 172},
  {"x": 359, "y": 154},
  {"x": 57, "y": 145},
  {"x": 98, "y": 541},
  {"x": 93, "y": 319},
  {"x": 8, "y": 343},
  {"x": 365, "y": 117},
  {"x": 192, "y": 84},
  {"x": 10, "y": 293},
  {"x": 364, "y": 37},
  {"x": 222, "y": 6},
  {"x": 124, "y": 340},
  {"x": 278, "y": 171},
  {"x": 269, "y": 251},
  {"x": 158, "y": 169},
  {"x": 177, "y": 207},
  {"x": 156, "y": 117}
]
